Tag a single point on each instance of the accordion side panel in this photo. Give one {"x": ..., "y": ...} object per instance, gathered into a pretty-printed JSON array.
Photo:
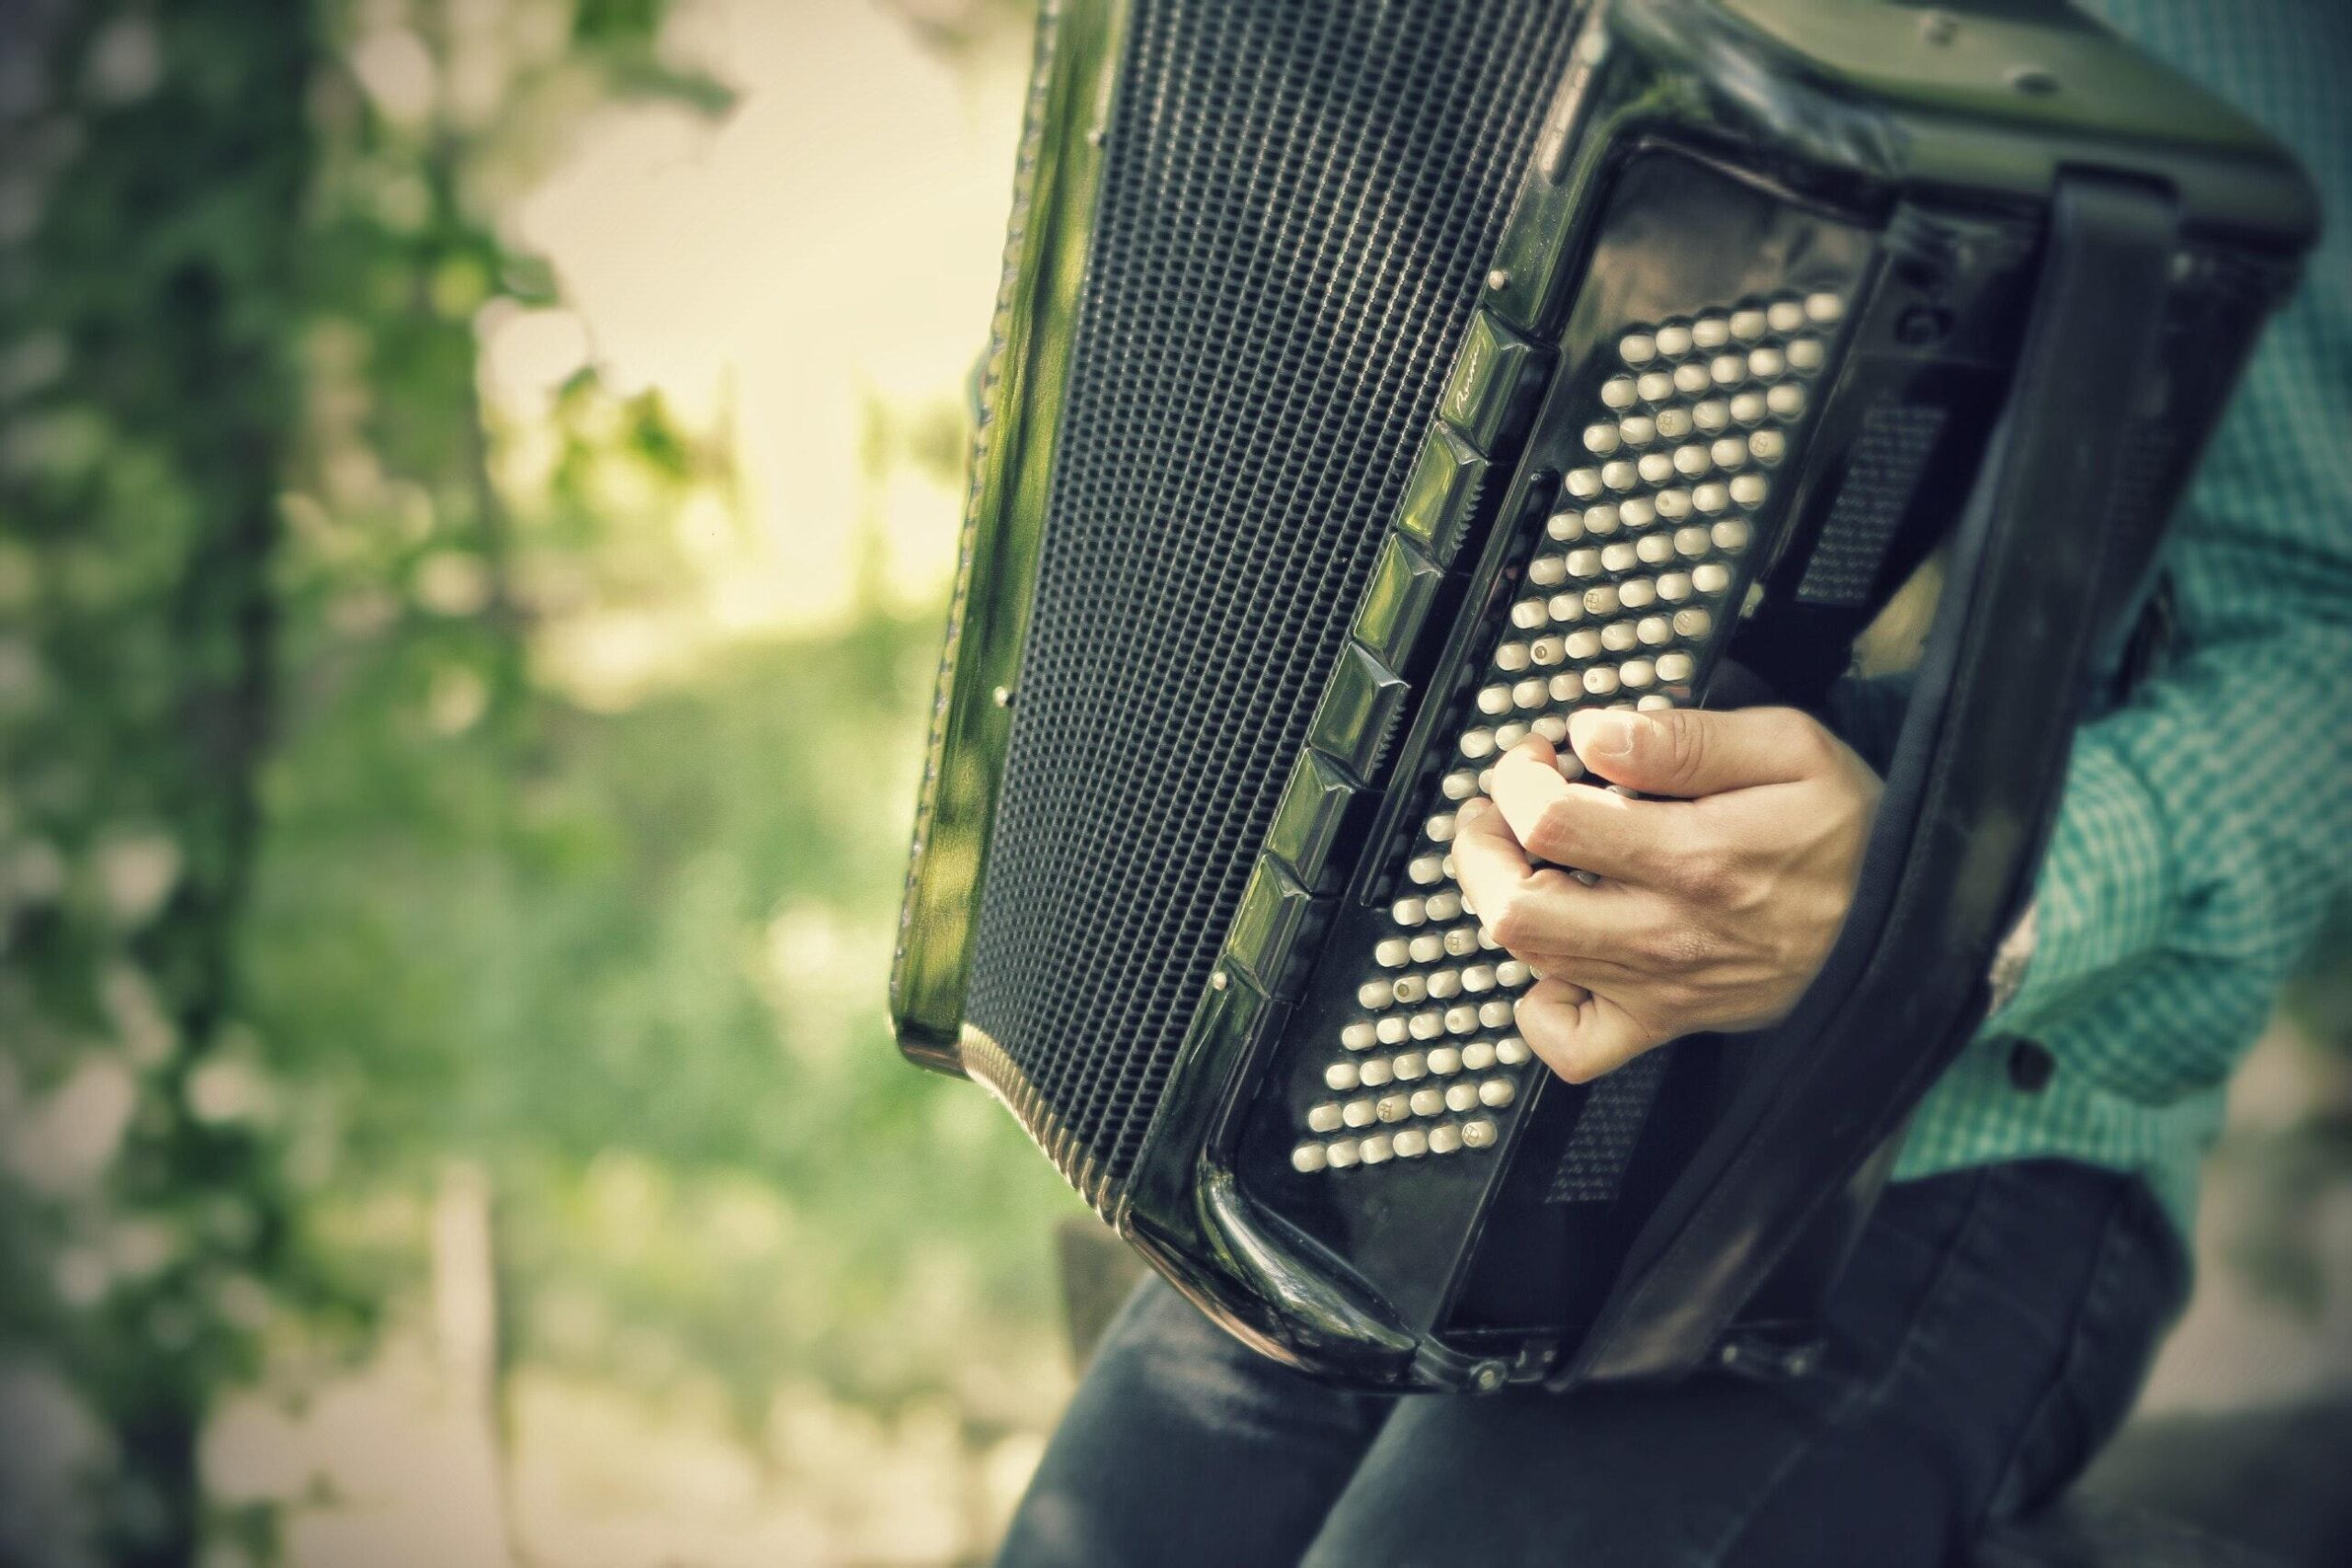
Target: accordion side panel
[
  {"x": 1704, "y": 329},
  {"x": 1024, "y": 383},
  {"x": 1298, "y": 204}
]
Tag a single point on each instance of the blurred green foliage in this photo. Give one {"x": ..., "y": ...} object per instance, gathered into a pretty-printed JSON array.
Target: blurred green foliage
[{"x": 313, "y": 881}]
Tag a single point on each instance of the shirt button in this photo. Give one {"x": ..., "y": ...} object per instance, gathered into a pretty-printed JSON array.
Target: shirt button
[{"x": 2031, "y": 1065}]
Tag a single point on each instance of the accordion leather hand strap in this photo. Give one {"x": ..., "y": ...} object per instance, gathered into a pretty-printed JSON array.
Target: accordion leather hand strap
[{"x": 1969, "y": 802}]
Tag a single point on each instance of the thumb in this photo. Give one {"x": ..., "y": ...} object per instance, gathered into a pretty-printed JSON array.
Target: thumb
[{"x": 1694, "y": 751}]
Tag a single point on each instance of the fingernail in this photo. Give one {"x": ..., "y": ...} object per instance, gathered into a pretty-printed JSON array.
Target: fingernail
[
  {"x": 1471, "y": 810},
  {"x": 1610, "y": 734}
]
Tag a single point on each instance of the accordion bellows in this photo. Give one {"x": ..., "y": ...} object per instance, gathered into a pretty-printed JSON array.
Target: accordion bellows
[{"x": 1376, "y": 385}]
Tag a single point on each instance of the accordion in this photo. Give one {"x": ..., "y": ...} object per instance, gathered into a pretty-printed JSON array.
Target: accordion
[{"x": 1374, "y": 384}]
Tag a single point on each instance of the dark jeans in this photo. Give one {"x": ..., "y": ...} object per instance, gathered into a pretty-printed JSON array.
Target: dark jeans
[{"x": 1993, "y": 1330}]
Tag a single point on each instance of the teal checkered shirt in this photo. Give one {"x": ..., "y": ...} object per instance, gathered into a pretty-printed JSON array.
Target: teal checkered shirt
[{"x": 2206, "y": 826}]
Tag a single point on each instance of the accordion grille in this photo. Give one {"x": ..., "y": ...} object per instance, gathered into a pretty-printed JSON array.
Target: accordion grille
[{"x": 1298, "y": 209}]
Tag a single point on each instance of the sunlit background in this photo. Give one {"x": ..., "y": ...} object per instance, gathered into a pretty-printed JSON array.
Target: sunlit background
[{"x": 476, "y": 514}]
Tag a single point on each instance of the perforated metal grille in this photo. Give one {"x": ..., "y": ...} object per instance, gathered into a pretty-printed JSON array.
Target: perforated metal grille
[
  {"x": 1893, "y": 446},
  {"x": 1298, "y": 208},
  {"x": 1608, "y": 1123}
]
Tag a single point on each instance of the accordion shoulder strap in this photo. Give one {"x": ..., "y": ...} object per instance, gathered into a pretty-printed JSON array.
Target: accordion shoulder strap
[{"x": 1969, "y": 801}]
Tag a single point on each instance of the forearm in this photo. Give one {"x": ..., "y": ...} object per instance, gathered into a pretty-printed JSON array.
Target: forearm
[{"x": 2202, "y": 838}]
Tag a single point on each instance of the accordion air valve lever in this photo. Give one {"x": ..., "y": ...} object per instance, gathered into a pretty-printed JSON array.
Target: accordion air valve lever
[{"x": 1376, "y": 386}]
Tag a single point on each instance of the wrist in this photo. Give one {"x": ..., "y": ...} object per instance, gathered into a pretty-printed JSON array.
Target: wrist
[{"x": 2012, "y": 960}]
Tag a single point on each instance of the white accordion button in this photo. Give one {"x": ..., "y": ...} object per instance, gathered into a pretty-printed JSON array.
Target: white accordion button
[{"x": 1309, "y": 1158}]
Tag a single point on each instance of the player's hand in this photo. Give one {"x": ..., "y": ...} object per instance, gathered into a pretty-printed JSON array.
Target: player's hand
[{"x": 1714, "y": 908}]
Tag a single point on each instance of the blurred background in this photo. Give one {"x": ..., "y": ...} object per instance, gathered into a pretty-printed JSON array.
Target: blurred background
[{"x": 478, "y": 484}]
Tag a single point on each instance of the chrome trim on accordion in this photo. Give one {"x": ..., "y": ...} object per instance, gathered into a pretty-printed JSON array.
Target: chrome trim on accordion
[{"x": 1796, "y": 303}]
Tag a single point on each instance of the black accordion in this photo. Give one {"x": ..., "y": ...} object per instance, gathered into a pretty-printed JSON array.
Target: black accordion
[{"x": 1376, "y": 383}]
